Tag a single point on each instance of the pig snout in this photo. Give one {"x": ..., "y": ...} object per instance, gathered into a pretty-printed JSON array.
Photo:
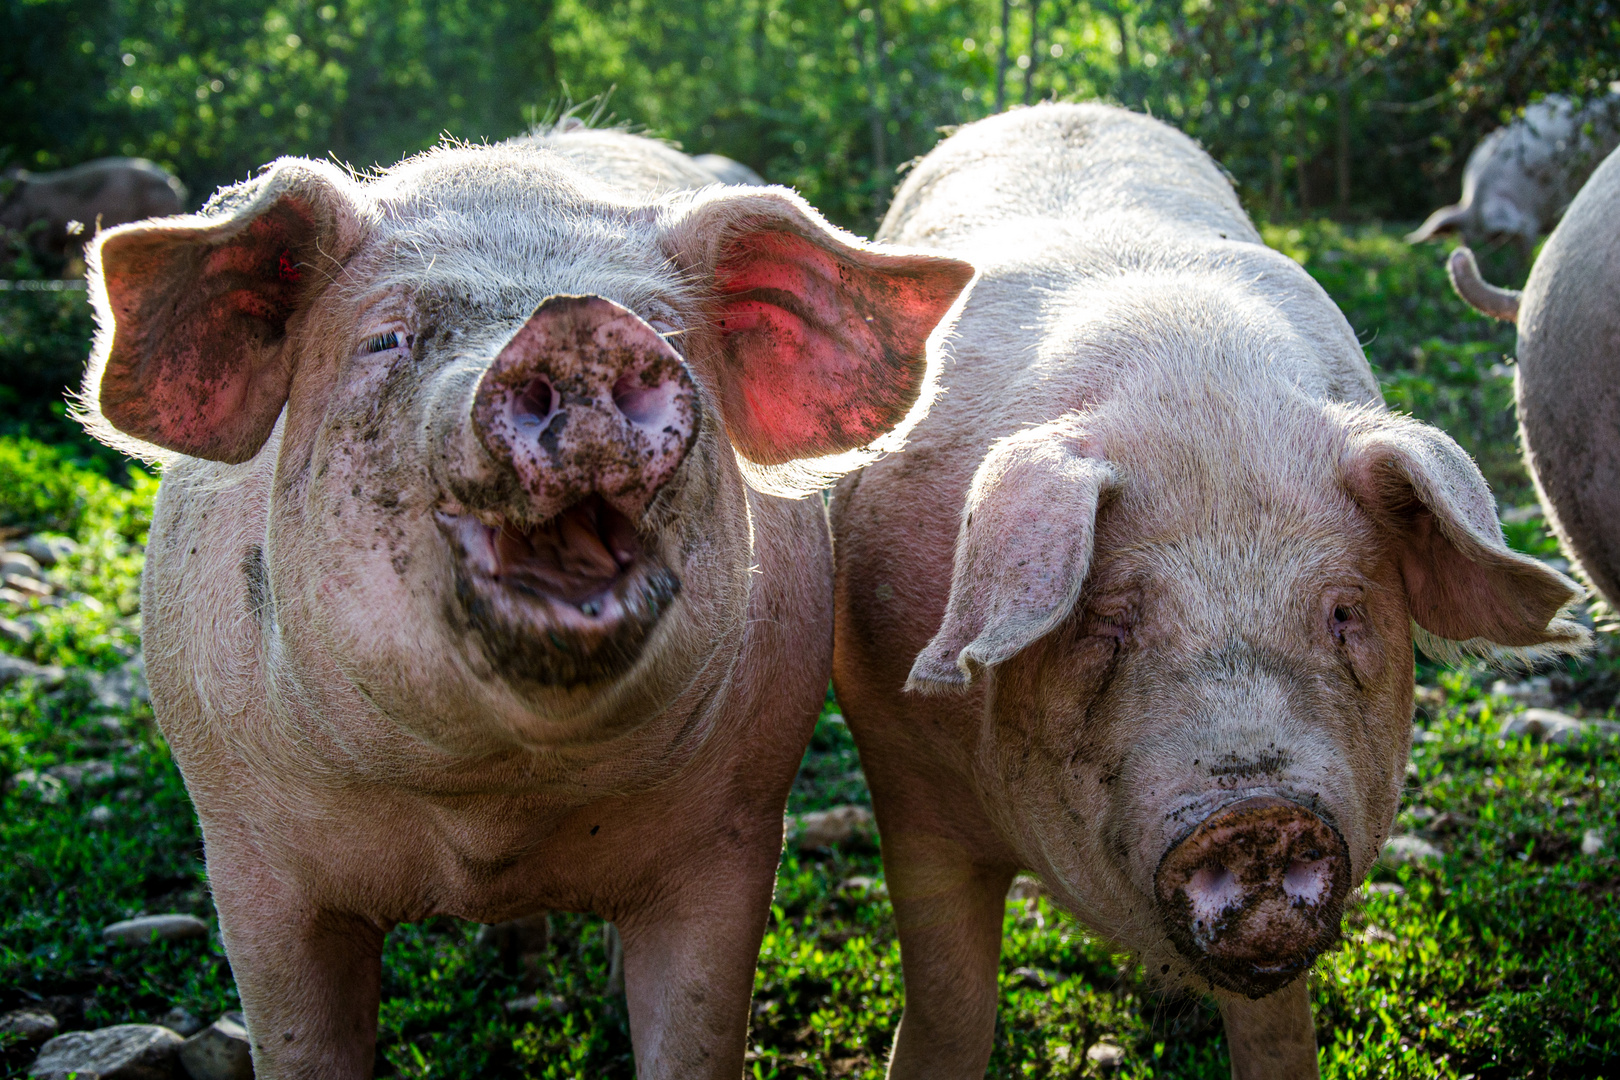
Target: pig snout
[
  {"x": 1254, "y": 893},
  {"x": 586, "y": 400}
]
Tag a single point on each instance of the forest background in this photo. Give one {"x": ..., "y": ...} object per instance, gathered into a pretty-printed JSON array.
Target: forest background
[{"x": 1358, "y": 107}]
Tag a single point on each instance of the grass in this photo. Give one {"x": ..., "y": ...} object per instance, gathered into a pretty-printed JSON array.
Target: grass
[{"x": 1497, "y": 961}]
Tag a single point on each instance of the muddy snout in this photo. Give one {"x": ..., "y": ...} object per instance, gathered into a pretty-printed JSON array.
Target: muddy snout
[
  {"x": 1254, "y": 893},
  {"x": 587, "y": 399}
]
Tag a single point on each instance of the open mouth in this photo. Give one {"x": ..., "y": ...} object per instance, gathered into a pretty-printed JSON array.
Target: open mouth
[{"x": 567, "y": 600}]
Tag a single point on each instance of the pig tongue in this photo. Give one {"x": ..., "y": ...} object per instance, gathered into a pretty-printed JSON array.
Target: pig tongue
[{"x": 572, "y": 556}]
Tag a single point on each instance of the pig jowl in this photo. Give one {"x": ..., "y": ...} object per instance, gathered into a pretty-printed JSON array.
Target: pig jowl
[
  {"x": 1135, "y": 609},
  {"x": 464, "y": 593}
]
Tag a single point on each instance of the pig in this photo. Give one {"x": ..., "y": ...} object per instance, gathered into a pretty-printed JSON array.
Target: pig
[
  {"x": 1134, "y": 610},
  {"x": 67, "y": 207},
  {"x": 728, "y": 171},
  {"x": 476, "y": 585},
  {"x": 1520, "y": 177},
  {"x": 1567, "y": 380}
]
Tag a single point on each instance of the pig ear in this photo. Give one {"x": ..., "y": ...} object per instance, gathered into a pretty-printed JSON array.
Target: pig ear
[
  {"x": 1467, "y": 591},
  {"x": 1022, "y": 553},
  {"x": 193, "y": 312},
  {"x": 818, "y": 338}
]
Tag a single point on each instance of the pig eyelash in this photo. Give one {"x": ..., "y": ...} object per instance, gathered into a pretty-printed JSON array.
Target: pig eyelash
[{"x": 391, "y": 339}]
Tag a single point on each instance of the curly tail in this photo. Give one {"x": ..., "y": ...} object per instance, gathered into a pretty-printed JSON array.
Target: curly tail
[{"x": 1482, "y": 296}]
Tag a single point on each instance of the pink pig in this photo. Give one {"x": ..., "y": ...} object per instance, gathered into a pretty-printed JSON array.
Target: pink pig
[
  {"x": 1135, "y": 609},
  {"x": 471, "y": 589}
]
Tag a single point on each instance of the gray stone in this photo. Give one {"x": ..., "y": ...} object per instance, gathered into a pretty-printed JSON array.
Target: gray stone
[
  {"x": 1382, "y": 888},
  {"x": 77, "y": 775},
  {"x": 34, "y": 1025},
  {"x": 1401, "y": 850},
  {"x": 100, "y": 815},
  {"x": 220, "y": 1051},
  {"x": 48, "y": 550},
  {"x": 1591, "y": 842},
  {"x": 27, "y": 586},
  {"x": 1535, "y": 691},
  {"x": 825, "y": 828},
  {"x": 123, "y": 1052},
  {"x": 150, "y": 928},
  {"x": 534, "y": 1003},
  {"x": 16, "y": 631},
  {"x": 37, "y": 785},
  {"x": 863, "y": 887},
  {"x": 22, "y": 564},
  {"x": 1106, "y": 1056},
  {"x": 1559, "y": 729},
  {"x": 1026, "y": 887},
  {"x": 14, "y": 668},
  {"x": 179, "y": 1020},
  {"x": 121, "y": 687}
]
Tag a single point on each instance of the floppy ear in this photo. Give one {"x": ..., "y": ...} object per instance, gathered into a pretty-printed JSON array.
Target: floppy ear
[
  {"x": 1022, "y": 553},
  {"x": 1465, "y": 588},
  {"x": 193, "y": 311},
  {"x": 1447, "y": 219},
  {"x": 818, "y": 338}
]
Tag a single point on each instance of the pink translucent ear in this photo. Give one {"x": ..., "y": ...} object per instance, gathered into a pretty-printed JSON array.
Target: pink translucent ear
[
  {"x": 818, "y": 338},
  {"x": 194, "y": 312},
  {"x": 1464, "y": 586},
  {"x": 1022, "y": 554}
]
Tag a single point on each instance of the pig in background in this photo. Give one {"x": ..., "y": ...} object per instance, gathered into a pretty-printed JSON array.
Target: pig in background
[
  {"x": 60, "y": 211},
  {"x": 1135, "y": 608},
  {"x": 1567, "y": 380},
  {"x": 1522, "y": 176},
  {"x": 456, "y": 598}
]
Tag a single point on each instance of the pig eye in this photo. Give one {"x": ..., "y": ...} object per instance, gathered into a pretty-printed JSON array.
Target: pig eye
[
  {"x": 1341, "y": 621},
  {"x": 386, "y": 340}
]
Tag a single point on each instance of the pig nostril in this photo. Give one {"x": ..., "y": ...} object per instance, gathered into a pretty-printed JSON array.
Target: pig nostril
[
  {"x": 1308, "y": 880},
  {"x": 643, "y": 405},
  {"x": 1213, "y": 889},
  {"x": 533, "y": 403}
]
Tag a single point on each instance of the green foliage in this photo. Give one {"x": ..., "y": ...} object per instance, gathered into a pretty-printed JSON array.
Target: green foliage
[{"x": 1360, "y": 104}]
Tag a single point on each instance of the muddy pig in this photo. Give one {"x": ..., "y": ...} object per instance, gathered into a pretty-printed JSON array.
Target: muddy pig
[
  {"x": 1135, "y": 608},
  {"x": 65, "y": 208},
  {"x": 464, "y": 593},
  {"x": 1567, "y": 380}
]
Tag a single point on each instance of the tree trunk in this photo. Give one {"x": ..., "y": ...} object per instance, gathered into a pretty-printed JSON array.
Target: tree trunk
[
  {"x": 1001, "y": 60},
  {"x": 1034, "y": 51},
  {"x": 1343, "y": 163}
]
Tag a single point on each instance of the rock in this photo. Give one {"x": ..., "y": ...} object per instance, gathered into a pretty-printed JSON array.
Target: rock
[
  {"x": 100, "y": 815},
  {"x": 47, "y": 789},
  {"x": 1431, "y": 698},
  {"x": 150, "y": 928},
  {"x": 1451, "y": 822},
  {"x": 34, "y": 1025},
  {"x": 123, "y": 1052},
  {"x": 1591, "y": 842},
  {"x": 27, "y": 586},
  {"x": 1382, "y": 888},
  {"x": 121, "y": 687},
  {"x": 825, "y": 828},
  {"x": 1026, "y": 887},
  {"x": 534, "y": 1003},
  {"x": 22, "y": 564},
  {"x": 220, "y": 1051},
  {"x": 1535, "y": 692},
  {"x": 16, "y": 631},
  {"x": 1106, "y": 1056},
  {"x": 13, "y": 668},
  {"x": 834, "y": 718},
  {"x": 1034, "y": 977},
  {"x": 48, "y": 550},
  {"x": 1559, "y": 729},
  {"x": 178, "y": 1020},
  {"x": 1518, "y": 515},
  {"x": 80, "y": 774},
  {"x": 862, "y": 887},
  {"x": 1402, "y": 850}
]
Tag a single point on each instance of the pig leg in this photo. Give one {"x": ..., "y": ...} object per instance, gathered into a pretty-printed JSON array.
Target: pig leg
[
  {"x": 949, "y": 912},
  {"x": 1272, "y": 1037},
  {"x": 689, "y": 972},
  {"x": 310, "y": 979}
]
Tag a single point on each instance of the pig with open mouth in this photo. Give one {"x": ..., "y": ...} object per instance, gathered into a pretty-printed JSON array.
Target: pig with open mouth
[
  {"x": 473, "y": 586},
  {"x": 1135, "y": 609}
]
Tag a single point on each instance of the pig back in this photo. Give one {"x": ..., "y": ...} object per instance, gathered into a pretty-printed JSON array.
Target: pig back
[{"x": 1569, "y": 377}]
